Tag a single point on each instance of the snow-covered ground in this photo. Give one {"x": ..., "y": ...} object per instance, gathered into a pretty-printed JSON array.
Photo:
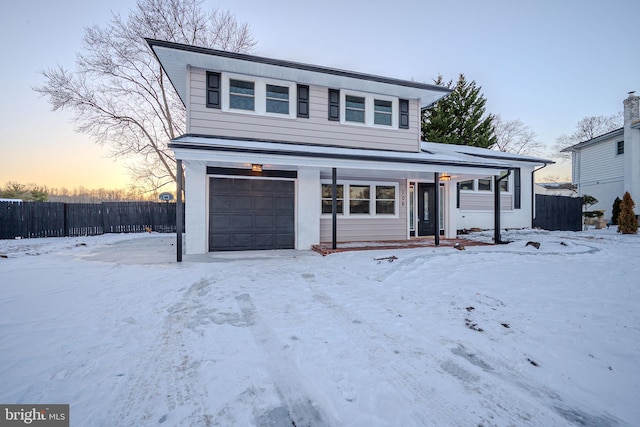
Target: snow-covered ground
[{"x": 505, "y": 335}]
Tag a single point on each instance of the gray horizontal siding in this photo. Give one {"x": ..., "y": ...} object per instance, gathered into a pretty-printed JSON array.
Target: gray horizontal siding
[
  {"x": 314, "y": 130},
  {"x": 359, "y": 230},
  {"x": 477, "y": 201}
]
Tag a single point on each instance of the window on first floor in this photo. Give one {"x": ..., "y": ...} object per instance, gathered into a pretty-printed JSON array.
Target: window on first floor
[
  {"x": 362, "y": 199},
  {"x": 504, "y": 182},
  {"x": 484, "y": 184},
  {"x": 327, "y": 198}
]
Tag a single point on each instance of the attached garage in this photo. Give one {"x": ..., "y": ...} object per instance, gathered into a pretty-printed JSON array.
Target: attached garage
[{"x": 251, "y": 213}]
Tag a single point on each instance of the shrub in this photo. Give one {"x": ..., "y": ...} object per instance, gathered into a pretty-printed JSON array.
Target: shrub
[
  {"x": 615, "y": 211},
  {"x": 627, "y": 220}
]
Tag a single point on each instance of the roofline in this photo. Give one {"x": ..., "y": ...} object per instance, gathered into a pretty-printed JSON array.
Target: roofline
[
  {"x": 386, "y": 159},
  {"x": 513, "y": 159},
  {"x": 594, "y": 140},
  {"x": 294, "y": 65}
]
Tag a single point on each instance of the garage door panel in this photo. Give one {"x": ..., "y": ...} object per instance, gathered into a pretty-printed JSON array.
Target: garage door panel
[
  {"x": 241, "y": 203},
  {"x": 220, "y": 221},
  {"x": 284, "y": 241},
  {"x": 284, "y": 222},
  {"x": 264, "y": 203},
  {"x": 263, "y": 241},
  {"x": 221, "y": 204},
  {"x": 242, "y": 223},
  {"x": 264, "y": 221},
  {"x": 251, "y": 214},
  {"x": 284, "y": 203},
  {"x": 222, "y": 240}
]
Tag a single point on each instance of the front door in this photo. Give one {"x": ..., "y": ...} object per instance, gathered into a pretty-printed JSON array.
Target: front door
[{"x": 426, "y": 209}]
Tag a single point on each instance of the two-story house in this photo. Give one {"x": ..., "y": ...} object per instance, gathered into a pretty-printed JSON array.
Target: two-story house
[
  {"x": 280, "y": 154},
  {"x": 608, "y": 165}
]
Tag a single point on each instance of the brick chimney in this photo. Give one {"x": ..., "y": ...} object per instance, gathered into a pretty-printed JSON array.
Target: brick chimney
[{"x": 631, "y": 109}]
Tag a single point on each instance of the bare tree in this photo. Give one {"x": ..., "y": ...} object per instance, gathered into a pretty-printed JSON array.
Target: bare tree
[
  {"x": 586, "y": 129},
  {"x": 513, "y": 136},
  {"x": 119, "y": 94}
]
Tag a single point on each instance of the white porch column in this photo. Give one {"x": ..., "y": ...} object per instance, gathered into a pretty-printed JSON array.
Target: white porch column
[
  {"x": 308, "y": 208},
  {"x": 196, "y": 208},
  {"x": 450, "y": 211}
]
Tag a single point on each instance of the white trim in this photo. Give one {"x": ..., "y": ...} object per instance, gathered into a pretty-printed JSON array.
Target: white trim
[
  {"x": 259, "y": 96},
  {"x": 372, "y": 199},
  {"x": 369, "y": 109}
]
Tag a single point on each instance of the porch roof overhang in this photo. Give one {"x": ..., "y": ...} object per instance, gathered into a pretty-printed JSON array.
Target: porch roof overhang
[
  {"x": 239, "y": 152},
  {"x": 175, "y": 57}
]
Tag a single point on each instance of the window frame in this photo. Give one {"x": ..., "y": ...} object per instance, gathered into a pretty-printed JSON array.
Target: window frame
[
  {"x": 322, "y": 199},
  {"x": 369, "y": 109},
  {"x": 346, "y": 211},
  {"x": 260, "y": 95}
]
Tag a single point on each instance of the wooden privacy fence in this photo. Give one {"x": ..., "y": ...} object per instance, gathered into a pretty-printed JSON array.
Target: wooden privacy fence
[
  {"x": 558, "y": 213},
  {"x": 51, "y": 219}
]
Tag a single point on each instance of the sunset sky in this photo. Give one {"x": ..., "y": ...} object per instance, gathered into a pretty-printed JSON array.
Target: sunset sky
[{"x": 548, "y": 63}]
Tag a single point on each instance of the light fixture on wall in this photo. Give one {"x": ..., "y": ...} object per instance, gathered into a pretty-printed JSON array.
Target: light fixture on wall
[
  {"x": 445, "y": 177},
  {"x": 256, "y": 168}
]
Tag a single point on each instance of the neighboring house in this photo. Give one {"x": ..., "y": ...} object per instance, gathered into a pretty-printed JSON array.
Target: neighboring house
[
  {"x": 607, "y": 166},
  {"x": 268, "y": 141},
  {"x": 556, "y": 189}
]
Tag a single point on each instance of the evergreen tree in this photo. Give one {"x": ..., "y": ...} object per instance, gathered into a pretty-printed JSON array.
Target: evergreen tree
[
  {"x": 459, "y": 118},
  {"x": 615, "y": 211},
  {"x": 627, "y": 220}
]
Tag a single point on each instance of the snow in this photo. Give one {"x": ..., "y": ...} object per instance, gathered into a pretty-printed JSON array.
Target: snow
[{"x": 492, "y": 335}]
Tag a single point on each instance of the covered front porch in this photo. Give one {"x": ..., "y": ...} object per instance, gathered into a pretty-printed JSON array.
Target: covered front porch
[{"x": 337, "y": 195}]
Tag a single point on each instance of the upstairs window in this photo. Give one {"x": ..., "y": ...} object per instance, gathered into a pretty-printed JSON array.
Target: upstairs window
[
  {"x": 354, "y": 109},
  {"x": 620, "y": 147},
  {"x": 368, "y": 110},
  {"x": 277, "y": 99},
  {"x": 241, "y": 95},
  {"x": 383, "y": 112},
  {"x": 244, "y": 94}
]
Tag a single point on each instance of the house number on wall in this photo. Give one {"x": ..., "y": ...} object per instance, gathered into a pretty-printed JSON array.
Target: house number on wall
[{"x": 402, "y": 196}]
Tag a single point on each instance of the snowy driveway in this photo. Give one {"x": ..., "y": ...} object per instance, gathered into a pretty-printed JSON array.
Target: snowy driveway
[{"x": 491, "y": 336}]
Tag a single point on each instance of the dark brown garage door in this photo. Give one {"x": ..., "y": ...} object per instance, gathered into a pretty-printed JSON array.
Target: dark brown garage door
[{"x": 247, "y": 214}]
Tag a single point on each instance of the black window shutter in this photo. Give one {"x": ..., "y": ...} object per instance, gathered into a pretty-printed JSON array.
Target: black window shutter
[
  {"x": 404, "y": 114},
  {"x": 457, "y": 195},
  {"x": 334, "y": 104},
  {"x": 303, "y": 101},
  {"x": 213, "y": 90},
  {"x": 517, "y": 194}
]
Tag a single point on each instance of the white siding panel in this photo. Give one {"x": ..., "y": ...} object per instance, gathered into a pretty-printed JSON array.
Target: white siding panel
[
  {"x": 317, "y": 129},
  {"x": 484, "y": 201},
  {"x": 600, "y": 162}
]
